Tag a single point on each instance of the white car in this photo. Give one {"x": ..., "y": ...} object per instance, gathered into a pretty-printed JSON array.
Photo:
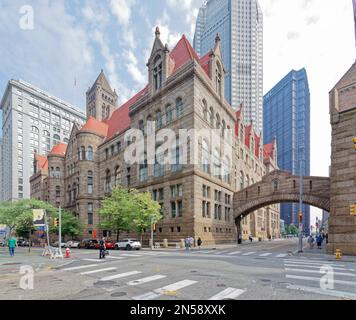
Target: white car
[
  {"x": 72, "y": 244},
  {"x": 128, "y": 244}
]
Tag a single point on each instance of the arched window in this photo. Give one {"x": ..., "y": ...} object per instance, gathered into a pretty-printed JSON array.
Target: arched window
[
  {"x": 216, "y": 163},
  {"x": 66, "y": 140},
  {"x": 247, "y": 180},
  {"x": 217, "y": 121},
  {"x": 83, "y": 155},
  {"x": 205, "y": 157},
  {"x": 179, "y": 107},
  {"x": 107, "y": 111},
  {"x": 169, "y": 114},
  {"x": 158, "y": 119},
  {"x": 223, "y": 129},
  {"x": 69, "y": 191},
  {"x": 118, "y": 146},
  {"x": 103, "y": 112},
  {"x": 205, "y": 110},
  {"x": 34, "y": 130},
  {"x": 275, "y": 185},
  {"x": 143, "y": 172},
  {"x": 227, "y": 170},
  {"x": 157, "y": 72},
  {"x": 90, "y": 154},
  {"x": 242, "y": 180},
  {"x": 117, "y": 176},
  {"x": 149, "y": 124},
  {"x": 90, "y": 182},
  {"x": 218, "y": 79},
  {"x": 56, "y": 139},
  {"x": 141, "y": 126},
  {"x": 212, "y": 117},
  {"x": 107, "y": 181},
  {"x": 74, "y": 192},
  {"x": 57, "y": 173}
]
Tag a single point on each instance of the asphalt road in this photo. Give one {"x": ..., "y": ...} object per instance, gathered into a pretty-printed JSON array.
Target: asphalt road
[{"x": 258, "y": 271}]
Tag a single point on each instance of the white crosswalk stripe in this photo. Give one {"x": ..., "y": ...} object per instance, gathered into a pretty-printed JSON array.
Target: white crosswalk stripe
[
  {"x": 234, "y": 253},
  {"x": 334, "y": 293},
  {"x": 131, "y": 255},
  {"x": 349, "y": 283},
  {"x": 116, "y": 258},
  {"x": 221, "y": 252},
  {"x": 229, "y": 293},
  {"x": 98, "y": 271},
  {"x": 315, "y": 267},
  {"x": 282, "y": 255},
  {"x": 120, "y": 275},
  {"x": 80, "y": 267},
  {"x": 306, "y": 262},
  {"x": 248, "y": 253},
  {"x": 94, "y": 260},
  {"x": 165, "y": 290},
  {"x": 318, "y": 271},
  {"x": 265, "y": 254},
  {"x": 145, "y": 280}
]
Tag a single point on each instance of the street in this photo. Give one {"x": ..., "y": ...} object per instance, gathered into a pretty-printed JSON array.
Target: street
[{"x": 262, "y": 271}]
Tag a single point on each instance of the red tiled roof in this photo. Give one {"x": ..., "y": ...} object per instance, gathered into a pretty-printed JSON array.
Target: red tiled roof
[
  {"x": 95, "y": 126},
  {"x": 42, "y": 162},
  {"x": 120, "y": 119},
  {"x": 204, "y": 62},
  {"x": 268, "y": 151},
  {"x": 183, "y": 53},
  {"x": 59, "y": 149},
  {"x": 257, "y": 145},
  {"x": 247, "y": 135}
]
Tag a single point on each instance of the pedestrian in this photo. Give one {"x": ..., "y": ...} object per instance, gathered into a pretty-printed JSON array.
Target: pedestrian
[
  {"x": 199, "y": 242},
  {"x": 327, "y": 238},
  {"x": 102, "y": 248},
  {"x": 250, "y": 238},
  {"x": 12, "y": 244},
  {"x": 311, "y": 242},
  {"x": 239, "y": 238},
  {"x": 319, "y": 241},
  {"x": 187, "y": 243},
  {"x": 191, "y": 242}
]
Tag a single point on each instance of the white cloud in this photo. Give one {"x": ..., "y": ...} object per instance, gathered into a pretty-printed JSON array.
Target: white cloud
[
  {"x": 122, "y": 10},
  {"x": 132, "y": 67}
]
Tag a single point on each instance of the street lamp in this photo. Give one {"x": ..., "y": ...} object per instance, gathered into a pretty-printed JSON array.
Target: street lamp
[{"x": 301, "y": 206}]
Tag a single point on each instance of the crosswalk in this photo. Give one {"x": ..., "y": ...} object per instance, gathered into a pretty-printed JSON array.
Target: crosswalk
[
  {"x": 239, "y": 253},
  {"x": 150, "y": 285},
  {"x": 321, "y": 277}
]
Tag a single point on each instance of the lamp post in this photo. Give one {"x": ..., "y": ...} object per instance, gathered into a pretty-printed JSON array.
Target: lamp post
[{"x": 301, "y": 208}]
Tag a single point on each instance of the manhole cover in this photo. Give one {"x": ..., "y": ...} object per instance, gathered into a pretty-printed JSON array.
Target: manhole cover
[
  {"x": 220, "y": 285},
  {"x": 104, "y": 283},
  {"x": 194, "y": 271},
  {"x": 118, "y": 294}
]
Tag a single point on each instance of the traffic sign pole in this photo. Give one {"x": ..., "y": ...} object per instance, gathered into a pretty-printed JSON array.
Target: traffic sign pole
[{"x": 60, "y": 230}]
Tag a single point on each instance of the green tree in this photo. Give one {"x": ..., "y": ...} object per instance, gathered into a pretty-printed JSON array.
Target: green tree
[
  {"x": 147, "y": 211},
  {"x": 71, "y": 226},
  {"x": 116, "y": 211}
]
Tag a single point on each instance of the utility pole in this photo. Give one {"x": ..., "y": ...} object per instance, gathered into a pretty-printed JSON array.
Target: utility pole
[
  {"x": 301, "y": 208},
  {"x": 60, "y": 230}
]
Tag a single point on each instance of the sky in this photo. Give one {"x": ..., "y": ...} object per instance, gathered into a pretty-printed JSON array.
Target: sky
[{"x": 72, "y": 40}]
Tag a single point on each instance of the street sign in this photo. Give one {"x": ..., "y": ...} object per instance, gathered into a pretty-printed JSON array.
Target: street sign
[{"x": 39, "y": 219}]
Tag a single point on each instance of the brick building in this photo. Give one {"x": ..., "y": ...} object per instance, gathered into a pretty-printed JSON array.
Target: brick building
[{"x": 184, "y": 91}]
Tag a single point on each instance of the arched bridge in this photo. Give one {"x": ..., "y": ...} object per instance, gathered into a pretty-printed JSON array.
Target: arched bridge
[{"x": 281, "y": 186}]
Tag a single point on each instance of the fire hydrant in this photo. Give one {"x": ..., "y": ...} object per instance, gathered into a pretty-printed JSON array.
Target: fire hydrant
[
  {"x": 67, "y": 253},
  {"x": 338, "y": 254}
]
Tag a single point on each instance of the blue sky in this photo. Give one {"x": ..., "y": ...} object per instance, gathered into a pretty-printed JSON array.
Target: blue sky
[{"x": 75, "y": 39}]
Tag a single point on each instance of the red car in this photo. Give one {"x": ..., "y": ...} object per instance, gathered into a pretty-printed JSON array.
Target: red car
[{"x": 108, "y": 244}]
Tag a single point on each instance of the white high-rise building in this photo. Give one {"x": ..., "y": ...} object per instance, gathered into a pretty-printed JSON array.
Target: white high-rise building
[
  {"x": 240, "y": 25},
  {"x": 32, "y": 121}
]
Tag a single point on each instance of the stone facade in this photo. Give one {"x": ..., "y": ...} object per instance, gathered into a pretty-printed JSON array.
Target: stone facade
[
  {"x": 184, "y": 92},
  {"x": 342, "y": 225}
]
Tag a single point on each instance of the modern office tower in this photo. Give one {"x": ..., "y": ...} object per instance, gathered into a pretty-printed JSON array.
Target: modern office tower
[
  {"x": 286, "y": 116},
  {"x": 32, "y": 121},
  {"x": 240, "y": 26}
]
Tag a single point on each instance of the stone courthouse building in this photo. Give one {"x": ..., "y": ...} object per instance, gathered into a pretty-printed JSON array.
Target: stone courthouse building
[{"x": 184, "y": 91}]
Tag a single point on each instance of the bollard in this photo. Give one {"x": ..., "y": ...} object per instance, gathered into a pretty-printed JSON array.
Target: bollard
[{"x": 338, "y": 254}]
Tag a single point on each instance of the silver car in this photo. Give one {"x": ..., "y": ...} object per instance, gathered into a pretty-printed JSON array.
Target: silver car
[{"x": 128, "y": 244}]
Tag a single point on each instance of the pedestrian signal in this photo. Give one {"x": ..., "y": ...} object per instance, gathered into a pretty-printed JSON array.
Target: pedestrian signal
[
  {"x": 56, "y": 222},
  {"x": 300, "y": 216}
]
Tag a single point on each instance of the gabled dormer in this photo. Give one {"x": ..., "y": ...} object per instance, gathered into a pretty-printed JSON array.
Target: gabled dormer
[
  {"x": 160, "y": 64},
  {"x": 218, "y": 70}
]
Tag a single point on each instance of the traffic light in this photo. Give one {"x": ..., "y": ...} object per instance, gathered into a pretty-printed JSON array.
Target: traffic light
[
  {"x": 353, "y": 209},
  {"x": 56, "y": 222},
  {"x": 354, "y": 141},
  {"x": 300, "y": 217}
]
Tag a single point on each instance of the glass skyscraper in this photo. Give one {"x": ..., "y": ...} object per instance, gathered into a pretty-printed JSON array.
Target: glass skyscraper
[
  {"x": 240, "y": 25},
  {"x": 286, "y": 116}
]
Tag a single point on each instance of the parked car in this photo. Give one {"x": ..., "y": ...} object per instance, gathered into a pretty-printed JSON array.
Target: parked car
[
  {"x": 22, "y": 243},
  {"x": 87, "y": 244},
  {"x": 109, "y": 245},
  {"x": 56, "y": 244},
  {"x": 128, "y": 244},
  {"x": 72, "y": 244}
]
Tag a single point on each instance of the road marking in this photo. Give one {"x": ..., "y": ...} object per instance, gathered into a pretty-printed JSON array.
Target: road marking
[
  {"x": 94, "y": 260},
  {"x": 317, "y": 267},
  {"x": 349, "y": 283},
  {"x": 97, "y": 271},
  {"x": 313, "y": 263},
  {"x": 131, "y": 255},
  {"x": 221, "y": 252},
  {"x": 318, "y": 271},
  {"x": 206, "y": 252},
  {"x": 229, "y": 293},
  {"x": 265, "y": 254},
  {"x": 172, "y": 288},
  {"x": 113, "y": 257},
  {"x": 282, "y": 255},
  {"x": 145, "y": 280},
  {"x": 234, "y": 253},
  {"x": 120, "y": 275},
  {"x": 249, "y": 253},
  {"x": 81, "y": 267},
  {"x": 334, "y": 293}
]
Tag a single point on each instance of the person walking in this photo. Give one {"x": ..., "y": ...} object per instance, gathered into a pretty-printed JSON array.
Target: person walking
[
  {"x": 199, "y": 242},
  {"x": 319, "y": 241},
  {"x": 191, "y": 242},
  {"x": 12, "y": 244},
  {"x": 250, "y": 238},
  {"x": 102, "y": 248},
  {"x": 187, "y": 243},
  {"x": 311, "y": 242}
]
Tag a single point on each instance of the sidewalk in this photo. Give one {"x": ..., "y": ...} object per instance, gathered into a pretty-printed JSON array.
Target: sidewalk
[{"x": 321, "y": 254}]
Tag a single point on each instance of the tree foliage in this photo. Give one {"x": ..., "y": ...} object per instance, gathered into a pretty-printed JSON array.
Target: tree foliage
[{"x": 291, "y": 229}]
